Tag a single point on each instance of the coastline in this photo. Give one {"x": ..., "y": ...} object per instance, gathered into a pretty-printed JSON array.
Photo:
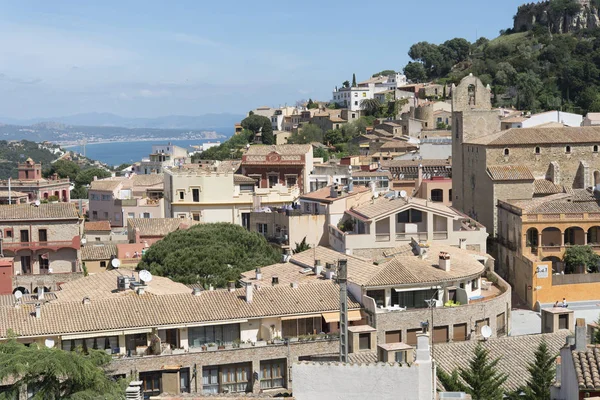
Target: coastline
[{"x": 66, "y": 146}]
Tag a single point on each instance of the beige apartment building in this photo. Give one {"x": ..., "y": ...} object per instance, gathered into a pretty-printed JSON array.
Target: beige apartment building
[
  {"x": 207, "y": 195},
  {"x": 119, "y": 198},
  {"x": 45, "y": 242}
]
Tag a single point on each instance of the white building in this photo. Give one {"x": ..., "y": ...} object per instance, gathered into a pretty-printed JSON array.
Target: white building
[
  {"x": 351, "y": 97},
  {"x": 161, "y": 157}
]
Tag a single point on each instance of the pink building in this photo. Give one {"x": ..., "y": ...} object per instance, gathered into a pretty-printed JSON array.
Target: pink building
[{"x": 31, "y": 183}]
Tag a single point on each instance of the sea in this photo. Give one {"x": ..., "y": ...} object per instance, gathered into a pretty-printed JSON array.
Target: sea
[{"x": 117, "y": 153}]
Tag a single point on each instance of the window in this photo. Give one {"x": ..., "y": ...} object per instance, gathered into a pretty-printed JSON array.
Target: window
[
  {"x": 291, "y": 180},
  {"x": 235, "y": 378},
  {"x": 410, "y": 216},
  {"x": 196, "y": 195},
  {"x": 218, "y": 334},
  {"x": 301, "y": 326},
  {"x": 437, "y": 195},
  {"x": 133, "y": 341},
  {"x": 99, "y": 343},
  {"x": 94, "y": 214},
  {"x": 568, "y": 149},
  {"x": 26, "y": 264},
  {"x": 245, "y": 188},
  {"x": 364, "y": 94},
  {"x": 537, "y": 150},
  {"x": 8, "y": 233},
  {"x": 44, "y": 263},
  {"x": 106, "y": 197},
  {"x": 93, "y": 196},
  {"x": 506, "y": 152},
  {"x": 272, "y": 374},
  {"x": 151, "y": 383},
  {"x": 24, "y": 236},
  {"x": 378, "y": 296},
  {"x": 356, "y": 103},
  {"x": 181, "y": 194},
  {"x": 146, "y": 215},
  {"x": 273, "y": 180},
  {"x": 414, "y": 298},
  {"x": 105, "y": 214},
  {"x": 210, "y": 380},
  {"x": 393, "y": 336},
  {"x": 262, "y": 229},
  {"x": 355, "y": 94},
  {"x": 102, "y": 264},
  {"x": 364, "y": 341},
  {"x": 475, "y": 284},
  {"x": 130, "y": 215},
  {"x": 500, "y": 324},
  {"x": 399, "y": 357},
  {"x": 196, "y": 216},
  {"x": 480, "y": 324},
  {"x": 595, "y": 148}
]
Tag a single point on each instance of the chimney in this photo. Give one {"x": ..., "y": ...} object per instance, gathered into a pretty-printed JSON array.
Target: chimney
[
  {"x": 318, "y": 268},
  {"x": 249, "y": 292},
  {"x": 294, "y": 285},
  {"x": 40, "y": 293},
  {"x": 95, "y": 178},
  {"x": 231, "y": 286},
  {"x": 580, "y": 335},
  {"x": 258, "y": 274},
  {"x": 86, "y": 300},
  {"x": 423, "y": 351},
  {"x": 211, "y": 287},
  {"x": 558, "y": 369},
  {"x": 274, "y": 280},
  {"x": 333, "y": 191},
  {"x": 196, "y": 291},
  {"x": 444, "y": 261},
  {"x": 462, "y": 244},
  {"x": 329, "y": 271},
  {"x": 38, "y": 310}
]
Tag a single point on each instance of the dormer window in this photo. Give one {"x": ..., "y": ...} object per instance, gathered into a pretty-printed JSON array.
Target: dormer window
[
  {"x": 537, "y": 150},
  {"x": 568, "y": 149},
  {"x": 506, "y": 152}
]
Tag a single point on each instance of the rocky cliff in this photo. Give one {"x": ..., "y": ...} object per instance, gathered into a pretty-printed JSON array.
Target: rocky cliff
[{"x": 560, "y": 16}]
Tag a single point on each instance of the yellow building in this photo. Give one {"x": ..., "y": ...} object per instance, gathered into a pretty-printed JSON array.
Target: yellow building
[{"x": 533, "y": 237}]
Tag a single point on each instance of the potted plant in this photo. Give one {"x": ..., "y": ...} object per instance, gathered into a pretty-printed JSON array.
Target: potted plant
[
  {"x": 211, "y": 347},
  {"x": 236, "y": 343},
  {"x": 246, "y": 344},
  {"x": 204, "y": 348},
  {"x": 277, "y": 340}
]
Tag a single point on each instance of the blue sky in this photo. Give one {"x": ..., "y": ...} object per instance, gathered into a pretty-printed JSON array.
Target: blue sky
[{"x": 152, "y": 58}]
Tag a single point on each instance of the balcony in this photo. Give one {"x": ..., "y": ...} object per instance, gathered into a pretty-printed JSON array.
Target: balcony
[
  {"x": 279, "y": 240},
  {"x": 50, "y": 245}
]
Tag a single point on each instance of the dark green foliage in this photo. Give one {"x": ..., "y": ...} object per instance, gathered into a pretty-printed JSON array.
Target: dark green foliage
[
  {"x": 209, "y": 254},
  {"x": 230, "y": 149},
  {"x": 353, "y": 80},
  {"x": 12, "y": 153},
  {"x": 64, "y": 169},
  {"x": 121, "y": 167},
  {"x": 307, "y": 134},
  {"x": 580, "y": 256},
  {"x": 451, "y": 382},
  {"x": 385, "y": 72},
  {"x": 86, "y": 176},
  {"x": 415, "y": 72},
  {"x": 57, "y": 374},
  {"x": 302, "y": 246},
  {"x": 542, "y": 371},
  {"x": 370, "y": 106},
  {"x": 320, "y": 152},
  {"x": 311, "y": 104},
  {"x": 481, "y": 377},
  {"x": 258, "y": 123},
  {"x": 596, "y": 335},
  {"x": 346, "y": 84}
]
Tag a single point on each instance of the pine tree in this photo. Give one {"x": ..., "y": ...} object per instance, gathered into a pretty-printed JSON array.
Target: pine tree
[
  {"x": 302, "y": 246},
  {"x": 353, "y": 80},
  {"x": 542, "y": 372},
  {"x": 482, "y": 378}
]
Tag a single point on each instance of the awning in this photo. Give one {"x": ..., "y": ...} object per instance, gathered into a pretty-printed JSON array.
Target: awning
[
  {"x": 353, "y": 315},
  {"x": 89, "y": 335},
  {"x": 237, "y": 321},
  {"x": 300, "y": 316},
  {"x": 416, "y": 288},
  {"x": 134, "y": 331}
]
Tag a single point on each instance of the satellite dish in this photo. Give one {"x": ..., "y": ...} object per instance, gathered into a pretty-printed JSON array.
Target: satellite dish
[
  {"x": 403, "y": 193},
  {"x": 49, "y": 343},
  {"x": 486, "y": 331},
  {"x": 18, "y": 294},
  {"x": 116, "y": 263},
  {"x": 83, "y": 241},
  {"x": 37, "y": 203},
  {"x": 145, "y": 276}
]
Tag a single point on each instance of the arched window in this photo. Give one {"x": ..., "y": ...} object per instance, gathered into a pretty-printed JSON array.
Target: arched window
[
  {"x": 506, "y": 152},
  {"x": 568, "y": 149},
  {"x": 537, "y": 150}
]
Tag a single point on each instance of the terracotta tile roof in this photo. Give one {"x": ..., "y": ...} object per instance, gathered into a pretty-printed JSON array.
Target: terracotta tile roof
[
  {"x": 337, "y": 119},
  {"x": 283, "y": 149},
  {"x": 514, "y": 119},
  {"x": 96, "y": 226},
  {"x": 157, "y": 226},
  {"x": 398, "y": 144},
  {"x": 383, "y": 206},
  {"x": 238, "y": 179},
  {"x": 535, "y": 136},
  {"x": 372, "y": 173},
  {"x": 324, "y": 194},
  {"x": 578, "y": 201},
  {"x": 363, "y": 358},
  {"x": 381, "y": 132},
  {"x": 287, "y": 273},
  {"x": 587, "y": 368},
  {"x": 415, "y": 163},
  {"x": 148, "y": 310},
  {"x": 509, "y": 173},
  {"x": 41, "y": 212},
  {"x": 91, "y": 252},
  {"x": 544, "y": 186},
  {"x": 13, "y": 193},
  {"x": 105, "y": 184},
  {"x": 515, "y": 353},
  {"x": 148, "y": 180}
]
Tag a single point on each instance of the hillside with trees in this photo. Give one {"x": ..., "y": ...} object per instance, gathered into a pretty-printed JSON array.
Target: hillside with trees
[
  {"x": 14, "y": 152},
  {"x": 535, "y": 69},
  {"x": 208, "y": 254}
]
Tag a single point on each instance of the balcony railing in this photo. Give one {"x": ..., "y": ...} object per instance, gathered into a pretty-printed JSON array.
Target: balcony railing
[
  {"x": 40, "y": 245},
  {"x": 440, "y": 235},
  {"x": 407, "y": 236},
  {"x": 382, "y": 237}
]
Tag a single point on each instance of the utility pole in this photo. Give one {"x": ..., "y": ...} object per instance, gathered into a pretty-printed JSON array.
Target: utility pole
[{"x": 342, "y": 279}]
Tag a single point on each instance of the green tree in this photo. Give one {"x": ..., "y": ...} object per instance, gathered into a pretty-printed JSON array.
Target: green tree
[
  {"x": 79, "y": 192},
  {"x": 353, "y": 80},
  {"x": 86, "y": 176},
  {"x": 481, "y": 377},
  {"x": 57, "y": 374},
  {"x": 370, "y": 106},
  {"x": 311, "y": 104},
  {"x": 542, "y": 371},
  {"x": 321, "y": 153},
  {"x": 451, "y": 382},
  {"x": 209, "y": 254},
  {"x": 309, "y": 133},
  {"x": 385, "y": 72},
  {"x": 346, "y": 84},
  {"x": 577, "y": 257},
  {"x": 529, "y": 86},
  {"x": 334, "y": 136},
  {"x": 302, "y": 246},
  {"x": 64, "y": 169},
  {"x": 415, "y": 72},
  {"x": 258, "y": 123}
]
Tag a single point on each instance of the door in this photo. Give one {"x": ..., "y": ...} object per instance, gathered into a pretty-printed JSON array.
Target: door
[
  {"x": 24, "y": 236},
  {"x": 563, "y": 321},
  {"x": 246, "y": 220},
  {"x": 460, "y": 333},
  {"x": 26, "y": 264},
  {"x": 44, "y": 263},
  {"x": 172, "y": 338},
  {"x": 440, "y": 334},
  {"x": 393, "y": 336}
]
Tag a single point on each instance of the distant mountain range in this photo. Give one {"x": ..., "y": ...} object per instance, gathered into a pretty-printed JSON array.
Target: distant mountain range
[{"x": 205, "y": 121}]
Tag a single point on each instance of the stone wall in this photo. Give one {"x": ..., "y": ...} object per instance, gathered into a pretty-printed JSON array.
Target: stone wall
[
  {"x": 448, "y": 316},
  {"x": 254, "y": 355}
]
